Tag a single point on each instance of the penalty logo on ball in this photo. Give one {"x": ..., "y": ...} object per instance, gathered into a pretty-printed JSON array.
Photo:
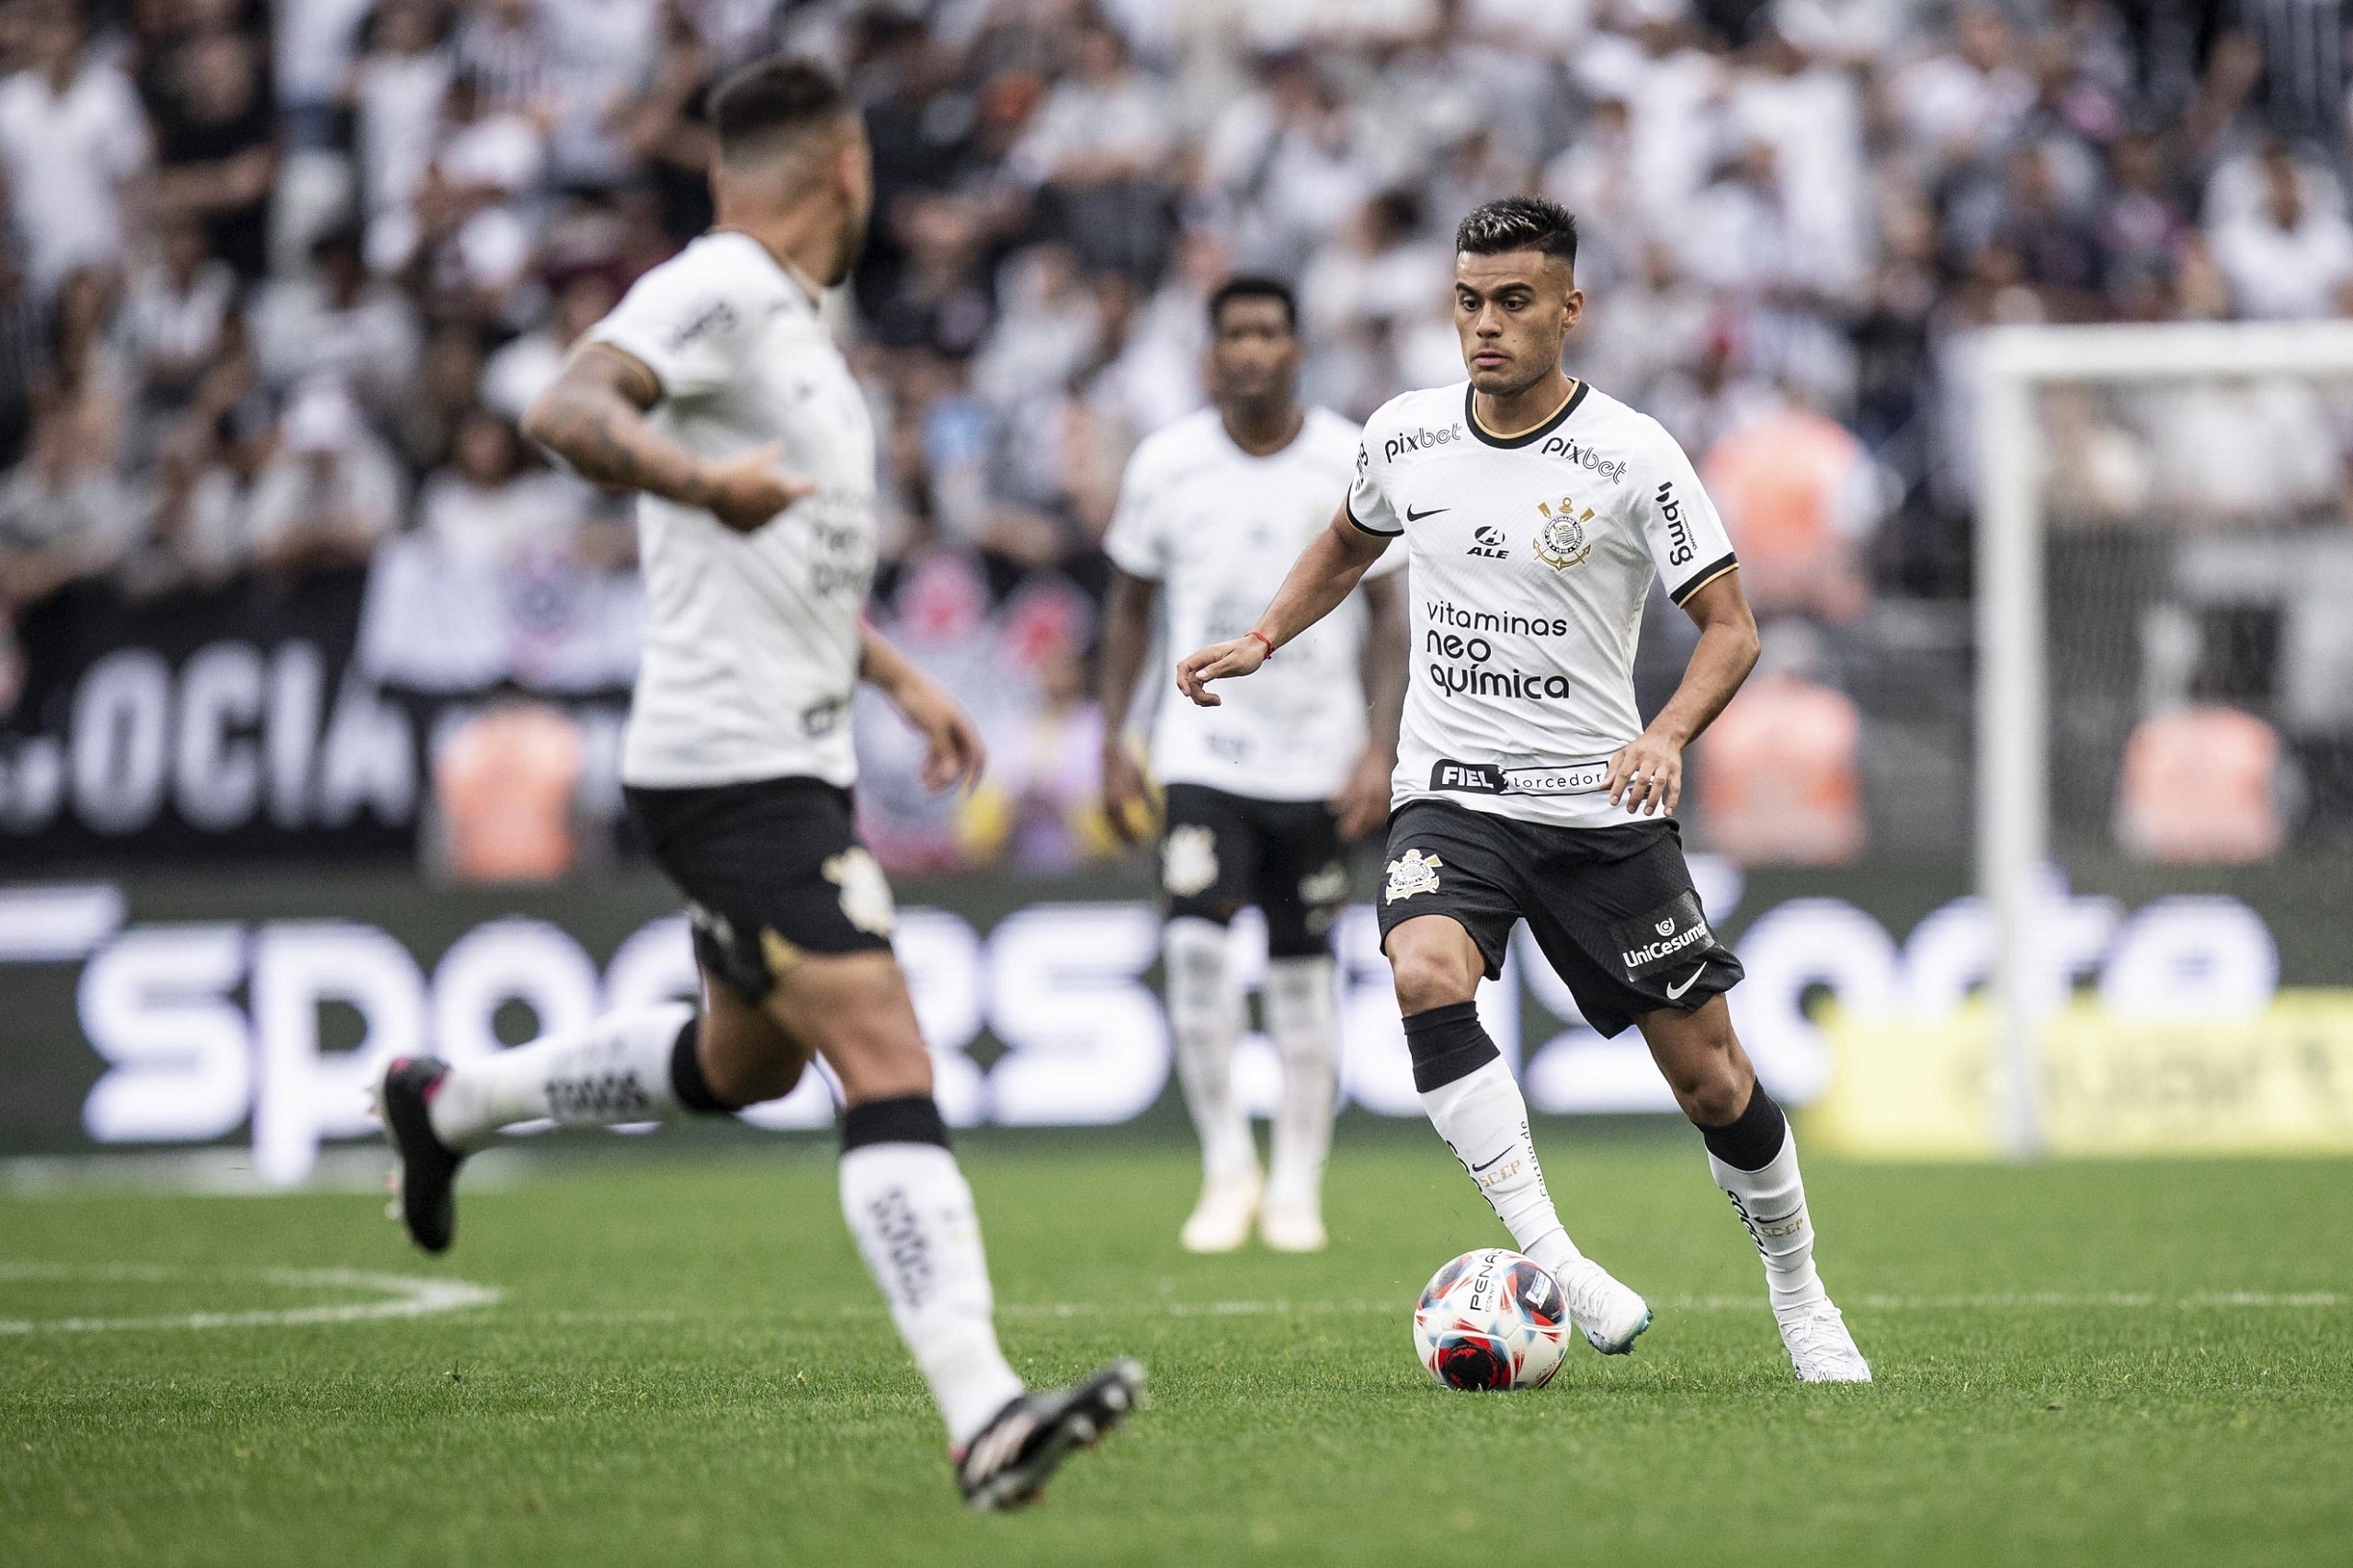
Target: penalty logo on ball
[{"x": 1492, "y": 1320}]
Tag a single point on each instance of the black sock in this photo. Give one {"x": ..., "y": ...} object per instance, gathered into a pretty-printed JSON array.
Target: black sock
[
  {"x": 1751, "y": 1140},
  {"x": 1447, "y": 1043},
  {"x": 687, "y": 1080},
  {"x": 912, "y": 1118}
]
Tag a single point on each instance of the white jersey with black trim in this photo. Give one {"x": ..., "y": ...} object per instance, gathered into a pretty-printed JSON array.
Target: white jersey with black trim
[
  {"x": 1531, "y": 558},
  {"x": 1219, "y": 529},
  {"x": 750, "y": 640}
]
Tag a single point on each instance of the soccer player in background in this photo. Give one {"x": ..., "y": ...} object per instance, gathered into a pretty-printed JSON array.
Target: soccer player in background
[
  {"x": 1536, "y": 511},
  {"x": 1261, "y": 791},
  {"x": 715, "y": 391}
]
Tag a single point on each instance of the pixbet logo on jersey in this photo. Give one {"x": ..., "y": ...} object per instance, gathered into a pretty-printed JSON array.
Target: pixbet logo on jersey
[
  {"x": 1421, "y": 440},
  {"x": 1569, "y": 450}
]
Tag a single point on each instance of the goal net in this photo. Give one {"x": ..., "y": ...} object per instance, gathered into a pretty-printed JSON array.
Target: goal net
[{"x": 2164, "y": 735}]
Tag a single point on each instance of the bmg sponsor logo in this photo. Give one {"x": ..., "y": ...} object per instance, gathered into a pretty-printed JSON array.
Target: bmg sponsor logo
[{"x": 1680, "y": 549}]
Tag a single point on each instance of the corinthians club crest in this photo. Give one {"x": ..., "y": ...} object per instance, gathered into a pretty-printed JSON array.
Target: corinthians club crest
[{"x": 1561, "y": 542}]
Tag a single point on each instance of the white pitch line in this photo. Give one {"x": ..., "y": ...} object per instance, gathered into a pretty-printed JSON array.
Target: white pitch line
[
  {"x": 1989, "y": 1302},
  {"x": 405, "y": 1296}
]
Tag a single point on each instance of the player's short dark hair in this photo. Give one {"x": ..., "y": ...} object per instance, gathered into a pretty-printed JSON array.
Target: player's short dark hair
[
  {"x": 1252, "y": 286},
  {"x": 771, "y": 102},
  {"x": 1519, "y": 223}
]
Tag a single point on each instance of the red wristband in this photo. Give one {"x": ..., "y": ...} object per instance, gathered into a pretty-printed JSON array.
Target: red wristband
[{"x": 1265, "y": 641}]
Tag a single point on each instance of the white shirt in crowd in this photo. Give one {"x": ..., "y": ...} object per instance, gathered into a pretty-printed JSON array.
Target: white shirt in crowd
[
  {"x": 66, "y": 156},
  {"x": 751, "y": 640},
  {"x": 1219, "y": 529},
  {"x": 1532, "y": 559}
]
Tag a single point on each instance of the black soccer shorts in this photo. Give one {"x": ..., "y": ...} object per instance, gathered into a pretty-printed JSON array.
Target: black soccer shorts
[
  {"x": 769, "y": 868},
  {"x": 1612, "y": 908},
  {"x": 1221, "y": 851}
]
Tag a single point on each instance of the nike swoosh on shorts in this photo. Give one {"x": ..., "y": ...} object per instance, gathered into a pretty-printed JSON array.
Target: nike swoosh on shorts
[{"x": 1674, "y": 993}]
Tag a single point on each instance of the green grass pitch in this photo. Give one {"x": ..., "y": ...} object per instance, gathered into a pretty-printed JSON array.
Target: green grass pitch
[{"x": 2128, "y": 1363}]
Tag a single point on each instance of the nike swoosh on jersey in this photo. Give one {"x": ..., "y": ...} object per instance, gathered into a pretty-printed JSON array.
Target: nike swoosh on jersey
[
  {"x": 1414, "y": 516},
  {"x": 1674, "y": 993}
]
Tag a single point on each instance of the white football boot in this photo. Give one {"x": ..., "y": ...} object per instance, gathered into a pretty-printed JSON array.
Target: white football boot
[
  {"x": 1220, "y": 1221},
  {"x": 1821, "y": 1350},
  {"x": 1612, "y": 1316},
  {"x": 1289, "y": 1225}
]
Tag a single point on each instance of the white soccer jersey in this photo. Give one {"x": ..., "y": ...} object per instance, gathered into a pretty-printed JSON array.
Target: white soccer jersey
[
  {"x": 750, "y": 640},
  {"x": 1531, "y": 558},
  {"x": 1219, "y": 529}
]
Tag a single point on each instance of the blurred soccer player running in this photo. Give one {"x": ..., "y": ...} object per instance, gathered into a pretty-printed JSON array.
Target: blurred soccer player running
[{"x": 715, "y": 392}]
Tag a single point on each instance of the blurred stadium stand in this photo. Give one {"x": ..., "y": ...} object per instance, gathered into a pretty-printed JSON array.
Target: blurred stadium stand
[{"x": 277, "y": 281}]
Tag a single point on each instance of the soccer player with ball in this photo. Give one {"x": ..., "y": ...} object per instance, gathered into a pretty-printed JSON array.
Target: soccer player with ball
[{"x": 1536, "y": 511}]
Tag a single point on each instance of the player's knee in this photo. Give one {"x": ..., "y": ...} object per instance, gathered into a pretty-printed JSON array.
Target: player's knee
[{"x": 1428, "y": 974}]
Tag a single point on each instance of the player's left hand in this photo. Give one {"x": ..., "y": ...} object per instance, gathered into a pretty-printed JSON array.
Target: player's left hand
[
  {"x": 1362, "y": 804},
  {"x": 953, "y": 755},
  {"x": 1647, "y": 774}
]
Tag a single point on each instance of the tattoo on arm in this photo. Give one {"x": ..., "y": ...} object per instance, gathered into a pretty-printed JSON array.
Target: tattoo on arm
[{"x": 594, "y": 418}]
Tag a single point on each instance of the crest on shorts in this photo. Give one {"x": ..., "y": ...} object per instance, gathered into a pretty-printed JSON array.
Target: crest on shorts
[
  {"x": 1188, "y": 859},
  {"x": 1561, "y": 542},
  {"x": 866, "y": 891},
  {"x": 1412, "y": 872}
]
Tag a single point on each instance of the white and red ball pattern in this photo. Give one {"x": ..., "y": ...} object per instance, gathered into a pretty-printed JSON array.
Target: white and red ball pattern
[{"x": 1492, "y": 1319}]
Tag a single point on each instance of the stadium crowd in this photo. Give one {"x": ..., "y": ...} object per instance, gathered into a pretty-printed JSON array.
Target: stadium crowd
[{"x": 279, "y": 279}]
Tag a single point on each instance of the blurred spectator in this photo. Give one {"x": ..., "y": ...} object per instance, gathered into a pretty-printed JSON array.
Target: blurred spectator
[
  {"x": 216, "y": 143},
  {"x": 63, "y": 515},
  {"x": 2201, "y": 787},
  {"x": 483, "y": 509},
  {"x": 178, "y": 333},
  {"x": 396, "y": 93},
  {"x": 523, "y": 368},
  {"x": 1780, "y": 779},
  {"x": 2285, "y": 259},
  {"x": 329, "y": 494},
  {"x": 1798, "y": 496},
  {"x": 73, "y": 137},
  {"x": 338, "y": 323},
  {"x": 505, "y": 785}
]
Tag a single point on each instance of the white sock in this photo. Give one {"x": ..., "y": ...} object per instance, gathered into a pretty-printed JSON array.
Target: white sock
[
  {"x": 1485, "y": 1121},
  {"x": 616, "y": 1068},
  {"x": 1204, "y": 1020},
  {"x": 912, "y": 1214},
  {"x": 1771, "y": 1203},
  {"x": 1299, "y": 1015}
]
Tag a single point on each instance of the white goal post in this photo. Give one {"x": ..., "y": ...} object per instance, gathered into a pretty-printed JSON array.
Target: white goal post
[{"x": 2012, "y": 782}]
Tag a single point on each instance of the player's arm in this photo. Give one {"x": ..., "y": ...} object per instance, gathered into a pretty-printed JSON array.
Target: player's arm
[
  {"x": 594, "y": 418},
  {"x": 1127, "y": 631},
  {"x": 1324, "y": 574},
  {"x": 953, "y": 754},
  {"x": 1647, "y": 774},
  {"x": 1363, "y": 802}
]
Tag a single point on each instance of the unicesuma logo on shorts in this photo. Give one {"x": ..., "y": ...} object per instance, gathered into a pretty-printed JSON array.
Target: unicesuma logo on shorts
[{"x": 1561, "y": 542}]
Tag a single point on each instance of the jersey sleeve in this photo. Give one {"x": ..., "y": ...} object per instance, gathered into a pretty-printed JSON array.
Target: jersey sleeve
[
  {"x": 1687, "y": 538},
  {"x": 1368, "y": 501},
  {"x": 1135, "y": 540},
  {"x": 684, "y": 324}
]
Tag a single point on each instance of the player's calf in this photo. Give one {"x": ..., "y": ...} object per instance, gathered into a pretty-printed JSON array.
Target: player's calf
[
  {"x": 1753, "y": 1155},
  {"x": 638, "y": 1065}
]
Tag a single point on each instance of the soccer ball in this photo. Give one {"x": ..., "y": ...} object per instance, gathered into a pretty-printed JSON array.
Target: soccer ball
[{"x": 1492, "y": 1319}]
